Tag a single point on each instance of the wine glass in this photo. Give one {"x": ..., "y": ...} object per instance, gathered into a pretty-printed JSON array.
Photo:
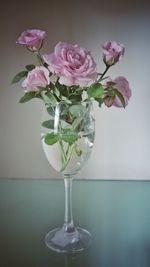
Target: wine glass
[{"x": 67, "y": 134}]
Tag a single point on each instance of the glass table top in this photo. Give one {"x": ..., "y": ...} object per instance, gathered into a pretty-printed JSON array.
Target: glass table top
[{"x": 117, "y": 214}]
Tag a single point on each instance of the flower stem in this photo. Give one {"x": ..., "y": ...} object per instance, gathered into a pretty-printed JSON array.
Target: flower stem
[
  {"x": 68, "y": 155},
  {"x": 63, "y": 154},
  {"x": 39, "y": 57},
  {"x": 103, "y": 74}
]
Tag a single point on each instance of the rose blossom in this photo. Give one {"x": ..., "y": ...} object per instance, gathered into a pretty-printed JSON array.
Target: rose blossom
[
  {"x": 36, "y": 77},
  {"x": 73, "y": 64},
  {"x": 112, "y": 52},
  {"x": 33, "y": 39},
  {"x": 122, "y": 85}
]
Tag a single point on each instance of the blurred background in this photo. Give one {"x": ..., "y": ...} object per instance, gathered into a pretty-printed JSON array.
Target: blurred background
[{"x": 122, "y": 145}]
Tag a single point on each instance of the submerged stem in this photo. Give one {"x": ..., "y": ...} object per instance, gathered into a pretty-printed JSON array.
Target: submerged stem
[
  {"x": 68, "y": 155},
  {"x": 63, "y": 154}
]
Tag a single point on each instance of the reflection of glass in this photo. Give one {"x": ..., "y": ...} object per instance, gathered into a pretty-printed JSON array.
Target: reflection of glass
[{"x": 67, "y": 137}]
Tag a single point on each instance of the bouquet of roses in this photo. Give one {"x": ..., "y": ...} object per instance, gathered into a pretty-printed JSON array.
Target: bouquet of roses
[{"x": 70, "y": 74}]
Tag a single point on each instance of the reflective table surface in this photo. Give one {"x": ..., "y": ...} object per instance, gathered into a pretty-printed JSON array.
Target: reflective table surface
[{"x": 117, "y": 213}]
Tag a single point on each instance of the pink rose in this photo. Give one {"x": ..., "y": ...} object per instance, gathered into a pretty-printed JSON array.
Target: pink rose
[
  {"x": 73, "y": 64},
  {"x": 33, "y": 39},
  {"x": 36, "y": 77},
  {"x": 122, "y": 85},
  {"x": 112, "y": 52}
]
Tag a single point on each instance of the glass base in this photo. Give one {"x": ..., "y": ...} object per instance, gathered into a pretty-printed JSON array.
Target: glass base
[{"x": 61, "y": 241}]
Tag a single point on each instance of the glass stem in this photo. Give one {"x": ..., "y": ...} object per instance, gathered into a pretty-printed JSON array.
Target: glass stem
[{"x": 68, "y": 220}]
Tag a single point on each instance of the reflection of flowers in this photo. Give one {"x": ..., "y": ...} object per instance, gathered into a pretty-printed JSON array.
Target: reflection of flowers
[
  {"x": 69, "y": 74},
  {"x": 73, "y": 64},
  {"x": 36, "y": 77}
]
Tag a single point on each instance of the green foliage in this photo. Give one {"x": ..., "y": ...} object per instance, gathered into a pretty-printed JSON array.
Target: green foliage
[
  {"x": 19, "y": 76},
  {"x": 48, "y": 124},
  {"x": 75, "y": 94},
  {"x": 30, "y": 67},
  {"x": 61, "y": 88},
  {"x": 51, "y": 138},
  {"x": 27, "y": 96},
  {"x": 77, "y": 110},
  {"x": 76, "y": 123},
  {"x": 51, "y": 111},
  {"x": 96, "y": 90},
  {"x": 48, "y": 98},
  {"x": 65, "y": 99},
  {"x": 69, "y": 136}
]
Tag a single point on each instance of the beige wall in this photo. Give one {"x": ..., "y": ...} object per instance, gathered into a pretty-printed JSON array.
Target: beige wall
[{"x": 122, "y": 146}]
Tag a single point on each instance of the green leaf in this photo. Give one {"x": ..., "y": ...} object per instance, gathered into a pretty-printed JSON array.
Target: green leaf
[
  {"x": 96, "y": 90},
  {"x": 76, "y": 95},
  {"x": 121, "y": 98},
  {"x": 40, "y": 88},
  {"x": 77, "y": 110},
  {"x": 64, "y": 115},
  {"x": 51, "y": 111},
  {"x": 19, "y": 76},
  {"x": 56, "y": 91},
  {"x": 64, "y": 124},
  {"x": 66, "y": 100},
  {"x": 27, "y": 96},
  {"x": 48, "y": 98},
  {"x": 76, "y": 123},
  {"x": 69, "y": 137},
  {"x": 48, "y": 124},
  {"x": 61, "y": 88},
  {"x": 51, "y": 138},
  {"x": 52, "y": 86},
  {"x": 30, "y": 67}
]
